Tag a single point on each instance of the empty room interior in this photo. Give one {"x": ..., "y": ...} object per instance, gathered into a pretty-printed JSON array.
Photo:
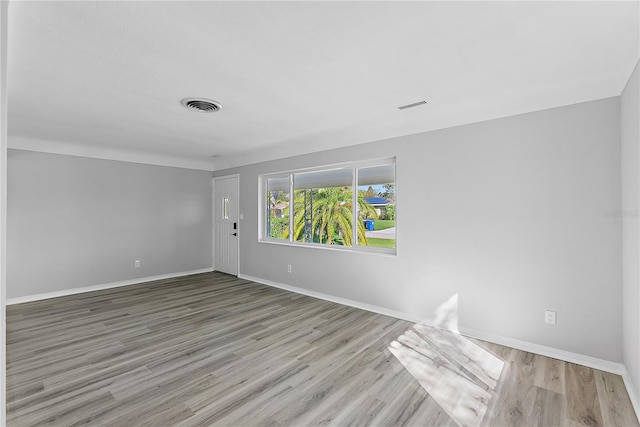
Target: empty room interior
[{"x": 320, "y": 213}]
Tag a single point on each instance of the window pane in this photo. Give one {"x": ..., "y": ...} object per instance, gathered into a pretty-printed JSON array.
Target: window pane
[
  {"x": 323, "y": 207},
  {"x": 377, "y": 206},
  {"x": 278, "y": 208},
  {"x": 225, "y": 208}
]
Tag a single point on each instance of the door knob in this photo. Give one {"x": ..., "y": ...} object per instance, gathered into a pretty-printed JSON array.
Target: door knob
[{"x": 234, "y": 234}]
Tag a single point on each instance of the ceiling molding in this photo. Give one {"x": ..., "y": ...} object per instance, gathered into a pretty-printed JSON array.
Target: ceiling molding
[{"x": 106, "y": 153}]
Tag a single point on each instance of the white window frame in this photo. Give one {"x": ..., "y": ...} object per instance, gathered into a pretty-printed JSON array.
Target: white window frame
[{"x": 263, "y": 215}]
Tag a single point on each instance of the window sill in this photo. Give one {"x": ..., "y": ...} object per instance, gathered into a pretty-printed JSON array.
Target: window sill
[{"x": 357, "y": 249}]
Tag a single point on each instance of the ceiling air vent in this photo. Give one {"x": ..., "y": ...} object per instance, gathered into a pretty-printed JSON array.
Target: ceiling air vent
[
  {"x": 415, "y": 104},
  {"x": 201, "y": 105}
]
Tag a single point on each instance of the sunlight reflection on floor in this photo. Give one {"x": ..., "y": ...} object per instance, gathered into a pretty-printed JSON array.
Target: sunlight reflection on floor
[{"x": 458, "y": 374}]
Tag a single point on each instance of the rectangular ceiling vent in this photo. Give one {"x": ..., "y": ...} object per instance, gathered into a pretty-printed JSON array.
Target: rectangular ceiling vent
[{"x": 415, "y": 104}]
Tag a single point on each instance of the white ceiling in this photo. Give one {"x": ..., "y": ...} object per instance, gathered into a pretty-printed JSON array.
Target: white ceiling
[{"x": 297, "y": 77}]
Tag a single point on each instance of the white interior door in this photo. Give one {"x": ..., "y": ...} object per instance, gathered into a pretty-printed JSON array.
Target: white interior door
[{"x": 226, "y": 226}]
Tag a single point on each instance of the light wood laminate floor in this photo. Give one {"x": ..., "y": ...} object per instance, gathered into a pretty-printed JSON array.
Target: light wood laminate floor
[{"x": 212, "y": 349}]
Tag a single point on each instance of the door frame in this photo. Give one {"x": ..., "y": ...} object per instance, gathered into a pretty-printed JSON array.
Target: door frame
[{"x": 214, "y": 213}]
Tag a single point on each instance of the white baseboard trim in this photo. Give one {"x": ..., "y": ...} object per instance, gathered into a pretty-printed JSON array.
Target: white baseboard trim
[
  {"x": 591, "y": 362},
  {"x": 631, "y": 390},
  {"x": 344, "y": 301},
  {"x": 567, "y": 356},
  {"x": 73, "y": 291}
]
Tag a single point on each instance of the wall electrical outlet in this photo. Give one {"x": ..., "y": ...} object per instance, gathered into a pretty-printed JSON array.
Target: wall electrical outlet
[
  {"x": 550, "y": 317},
  {"x": 136, "y": 263},
  {"x": 289, "y": 268}
]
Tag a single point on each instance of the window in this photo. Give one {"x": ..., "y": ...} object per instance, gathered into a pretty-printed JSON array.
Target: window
[
  {"x": 278, "y": 208},
  {"x": 225, "y": 208},
  {"x": 377, "y": 205},
  {"x": 322, "y": 211},
  {"x": 323, "y": 207}
]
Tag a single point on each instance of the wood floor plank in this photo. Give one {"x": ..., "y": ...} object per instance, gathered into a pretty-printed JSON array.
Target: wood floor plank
[
  {"x": 463, "y": 399},
  {"x": 404, "y": 397},
  {"x": 464, "y": 354},
  {"x": 583, "y": 403},
  {"x": 515, "y": 399},
  {"x": 549, "y": 374},
  {"x": 214, "y": 349},
  {"x": 614, "y": 401},
  {"x": 548, "y": 408}
]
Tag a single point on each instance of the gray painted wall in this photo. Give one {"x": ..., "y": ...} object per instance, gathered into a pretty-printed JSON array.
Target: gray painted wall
[
  {"x": 513, "y": 215},
  {"x": 630, "y": 133},
  {"x": 76, "y": 222}
]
